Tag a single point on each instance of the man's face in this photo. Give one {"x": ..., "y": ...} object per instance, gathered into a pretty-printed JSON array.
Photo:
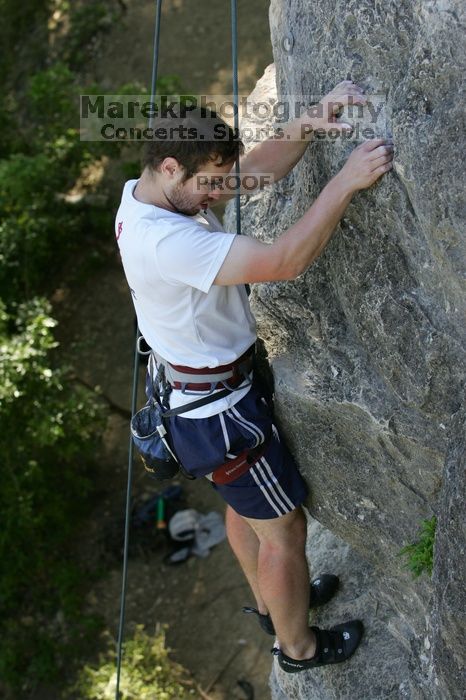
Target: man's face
[{"x": 198, "y": 191}]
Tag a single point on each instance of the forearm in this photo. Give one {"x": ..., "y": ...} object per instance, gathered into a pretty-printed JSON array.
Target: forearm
[
  {"x": 250, "y": 260},
  {"x": 278, "y": 155},
  {"x": 301, "y": 244}
]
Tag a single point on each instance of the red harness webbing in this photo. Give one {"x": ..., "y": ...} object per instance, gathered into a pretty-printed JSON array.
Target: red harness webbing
[{"x": 239, "y": 369}]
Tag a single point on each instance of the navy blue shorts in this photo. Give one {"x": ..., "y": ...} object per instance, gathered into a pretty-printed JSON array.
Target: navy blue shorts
[{"x": 272, "y": 487}]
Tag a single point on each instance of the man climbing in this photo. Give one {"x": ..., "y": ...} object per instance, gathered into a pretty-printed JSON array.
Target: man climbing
[{"x": 187, "y": 278}]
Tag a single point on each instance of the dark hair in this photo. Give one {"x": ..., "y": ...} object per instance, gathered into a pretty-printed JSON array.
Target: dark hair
[{"x": 193, "y": 137}]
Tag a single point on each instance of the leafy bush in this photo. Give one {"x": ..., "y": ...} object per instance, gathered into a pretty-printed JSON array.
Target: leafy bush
[
  {"x": 23, "y": 38},
  {"x": 48, "y": 428},
  {"x": 85, "y": 20},
  {"x": 36, "y": 229},
  {"x": 147, "y": 673},
  {"x": 420, "y": 554},
  {"x": 40, "y": 225},
  {"x": 48, "y": 432},
  {"x": 50, "y": 100}
]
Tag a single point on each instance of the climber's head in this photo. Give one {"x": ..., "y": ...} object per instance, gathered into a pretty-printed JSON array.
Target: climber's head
[
  {"x": 186, "y": 143},
  {"x": 194, "y": 138}
]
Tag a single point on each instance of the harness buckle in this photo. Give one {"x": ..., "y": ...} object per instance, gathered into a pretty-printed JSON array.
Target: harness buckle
[{"x": 189, "y": 392}]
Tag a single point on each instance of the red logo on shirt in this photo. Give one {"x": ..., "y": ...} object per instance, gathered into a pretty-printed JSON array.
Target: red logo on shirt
[{"x": 120, "y": 229}]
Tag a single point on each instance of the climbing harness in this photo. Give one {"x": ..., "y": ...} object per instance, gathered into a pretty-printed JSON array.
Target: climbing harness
[
  {"x": 149, "y": 433},
  {"x": 148, "y": 430},
  {"x": 194, "y": 404},
  {"x": 191, "y": 380}
]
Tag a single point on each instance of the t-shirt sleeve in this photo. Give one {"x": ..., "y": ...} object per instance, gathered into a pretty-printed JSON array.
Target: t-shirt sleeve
[{"x": 192, "y": 256}]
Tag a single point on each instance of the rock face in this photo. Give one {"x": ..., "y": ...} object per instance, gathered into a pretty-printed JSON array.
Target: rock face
[
  {"x": 448, "y": 613},
  {"x": 367, "y": 347}
]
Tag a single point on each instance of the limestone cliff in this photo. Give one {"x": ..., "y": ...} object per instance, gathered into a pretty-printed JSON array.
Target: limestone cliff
[{"x": 367, "y": 347}]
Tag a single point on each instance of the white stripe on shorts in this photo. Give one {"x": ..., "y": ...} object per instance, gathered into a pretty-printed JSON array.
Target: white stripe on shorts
[
  {"x": 225, "y": 436},
  {"x": 271, "y": 486},
  {"x": 257, "y": 432},
  {"x": 264, "y": 491},
  {"x": 224, "y": 431},
  {"x": 277, "y": 483}
]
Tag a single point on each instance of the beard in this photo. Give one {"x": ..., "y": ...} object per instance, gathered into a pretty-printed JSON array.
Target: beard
[{"x": 183, "y": 202}]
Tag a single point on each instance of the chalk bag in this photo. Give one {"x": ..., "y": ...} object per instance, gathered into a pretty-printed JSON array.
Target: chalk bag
[{"x": 150, "y": 439}]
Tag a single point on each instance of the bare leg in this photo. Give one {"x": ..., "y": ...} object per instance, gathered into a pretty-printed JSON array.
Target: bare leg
[
  {"x": 245, "y": 544},
  {"x": 283, "y": 580}
]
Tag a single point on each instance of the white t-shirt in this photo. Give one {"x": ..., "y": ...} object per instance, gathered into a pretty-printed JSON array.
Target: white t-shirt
[{"x": 170, "y": 261}]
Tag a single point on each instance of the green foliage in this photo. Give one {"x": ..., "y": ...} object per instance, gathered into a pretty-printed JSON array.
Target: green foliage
[
  {"x": 40, "y": 225},
  {"x": 169, "y": 85},
  {"x": 38, "y": 648},
  {"x": 86, "y": 21},
  {"x": 420, "y": 554},
  {"x": 49, "y": 428},
  {"x": 48, "y": 432},
  {"x": 147, "y": 673},
  {"x": 38, "y": 228},
  {"x": 23, "y": 37},
  {"x": 51, "y": 100}
]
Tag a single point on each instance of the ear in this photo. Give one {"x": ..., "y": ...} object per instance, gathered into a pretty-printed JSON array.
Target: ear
[{"x": 170, "y": 167}]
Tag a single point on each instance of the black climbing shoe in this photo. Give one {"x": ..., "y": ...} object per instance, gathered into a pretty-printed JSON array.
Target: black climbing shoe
[
  {"x": 333, "y": 646},
  {"x": 323, "y": 589},
  {"x": 265, "y": 621}
]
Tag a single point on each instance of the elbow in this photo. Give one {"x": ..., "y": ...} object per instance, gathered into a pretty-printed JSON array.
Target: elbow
[
  {"x": 288, "y": 264},
  {"x": 296, "y": 268},
  {"x": 293, "y": 270}
]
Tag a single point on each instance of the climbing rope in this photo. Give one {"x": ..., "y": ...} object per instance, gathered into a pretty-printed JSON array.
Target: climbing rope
[
  {"x": 155, "y": 59},
  {"x": 134, "y": 395},
  {"x": 127, "y": 521},
  {"x": 234, "y": 63},
  {"x": 234, "y": 68}
]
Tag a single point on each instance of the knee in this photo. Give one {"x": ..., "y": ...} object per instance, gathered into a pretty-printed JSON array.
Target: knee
[
  {"x": 290, "y": 532},
  {"x": 296, "y": 529}
]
